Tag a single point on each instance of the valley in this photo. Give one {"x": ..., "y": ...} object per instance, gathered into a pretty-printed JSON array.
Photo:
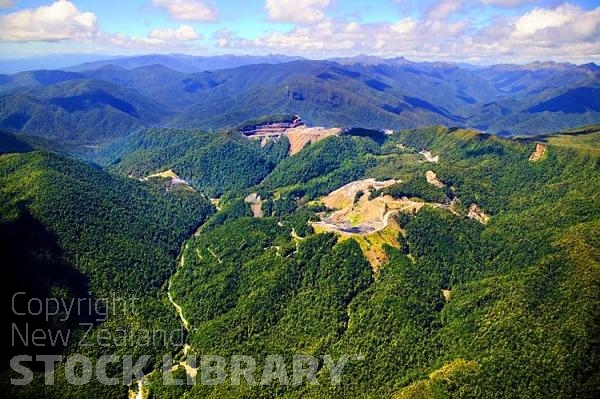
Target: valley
[
  {"x": 300, "y": 199},
  {"x": 101, "y": 102},
  {"x": 443, "y": 261}
]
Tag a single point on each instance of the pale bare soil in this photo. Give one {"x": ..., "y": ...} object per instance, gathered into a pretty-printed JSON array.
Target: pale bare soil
[
  {"x": 255, "y": 203},
  {"x": 298, "y": 136},
  {"x": 433, "y": 179},
  {"x": 301, "y": 135},
  {"x": 365, "y": 216},
  {"x": 429, "y": 157},
  {"x": 170, "y": 175},
  {"x": 538, "y": 153},
  {"x": 476, "y": 213}
]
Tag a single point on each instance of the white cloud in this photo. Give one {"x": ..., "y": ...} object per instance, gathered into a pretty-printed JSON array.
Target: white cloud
[
  {"x": 444, "y": 8},
  {"x": 6, "y": 3},
  {"x": 506, "y": 3},
  {"x": 403, "y": 26},
  {"x": 188, "y": 10},
  {"x": 183, "y": 33},
  {"x": 405, "y": 37},
  {"x": 563, "y": 33},
  {"x": 297, "y": 11},
  {"x": 58, "y": 21},
  {"x": 540, "y": 18},
  {"x": 63, "y": 21}
]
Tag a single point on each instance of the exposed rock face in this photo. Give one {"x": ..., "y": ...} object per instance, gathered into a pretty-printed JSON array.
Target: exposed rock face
[
  {"x": 433, "y": 179},
  {"x": 171, "y": 177},
  {"x": 295, "y": 130},
  {"x": 429, "y": 157},
  {"x": 446, "y": 294},
  {"x": 272, "y": 128},
  {"x": 255, "y": 203},
  {"x": 538, "y": 154},
  {"x": 476, "y": 213},
  {"x": 302, "y": 135}
]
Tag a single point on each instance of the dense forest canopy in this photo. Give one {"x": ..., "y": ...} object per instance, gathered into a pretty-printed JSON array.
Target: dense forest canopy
[{"x": 487, "y": 285}]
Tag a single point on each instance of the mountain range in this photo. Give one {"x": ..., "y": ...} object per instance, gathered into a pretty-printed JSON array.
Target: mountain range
[{"x": 97, "y": 102}]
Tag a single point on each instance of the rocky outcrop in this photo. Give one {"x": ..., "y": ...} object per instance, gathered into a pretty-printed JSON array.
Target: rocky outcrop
[
  {"x": 270, "y": 128},
  {"x": 476, "y": 213},
  {"x": 433, "y": 179},
  {"x": 255, "y": 203}
]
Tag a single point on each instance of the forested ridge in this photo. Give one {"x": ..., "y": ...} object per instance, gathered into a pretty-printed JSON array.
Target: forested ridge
[
  {"x": 507, "y": 307},
  {"x": 70, "y": 230}
]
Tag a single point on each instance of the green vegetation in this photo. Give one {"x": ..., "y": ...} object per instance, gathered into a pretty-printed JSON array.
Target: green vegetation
[
  {"x": 461, "y": 309},
  {"x": 211, "y": 162},
  {"x": 68, "y": 230},
  {"x": 510, "y": 326}
]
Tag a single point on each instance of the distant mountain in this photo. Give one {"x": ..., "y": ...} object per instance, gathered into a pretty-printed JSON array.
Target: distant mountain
[
  {"x": 186, "y": 63},
  {"x": 10, "y": 64},
  {"x": 104, "y": 102},
  {"x": 78, "y": 110}
]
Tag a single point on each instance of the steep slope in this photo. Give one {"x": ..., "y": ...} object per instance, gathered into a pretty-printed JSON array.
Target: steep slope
[
  {"x": 456, "y": 305},
  {"x": 73, "y": 231},
  {"x": 212, "y": 162}
]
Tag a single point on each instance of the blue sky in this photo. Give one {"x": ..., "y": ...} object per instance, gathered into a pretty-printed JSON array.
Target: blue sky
[{"x": 483, "y": 31}]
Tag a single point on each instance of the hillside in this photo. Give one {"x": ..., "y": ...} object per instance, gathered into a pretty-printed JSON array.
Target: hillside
[
  {"x": 456, "y": 296},
  {"x": 115, "y": 98},
  {"x": 184, "y": 63},
  {"x": 79, "y": 111},
  {"x": 213, "y": 162},
  {"x": 73, "y": 231},
  {"x": 451, "y": 256}
]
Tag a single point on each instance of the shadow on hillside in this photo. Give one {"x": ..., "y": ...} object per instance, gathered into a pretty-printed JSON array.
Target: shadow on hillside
[{"x": 34, "y": 263}]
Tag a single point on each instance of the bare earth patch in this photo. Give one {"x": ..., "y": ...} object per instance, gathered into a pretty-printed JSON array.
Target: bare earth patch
[
  {"x": 446, "y": 294},
  {"x": 429, "y": 157},
  {"x": 538, "y": 153},
  {"x": 171, "y": 176},
  {"x": 297, "y": 133},
  {"x": 433, "y": 179},
  {"x": 369, "y": 221},
  {"x": 255, "y": 203},
  {"x": 476, "y": 213},
  {"x": 344, "y": 196},
  {"x": 301, "y": 135}
]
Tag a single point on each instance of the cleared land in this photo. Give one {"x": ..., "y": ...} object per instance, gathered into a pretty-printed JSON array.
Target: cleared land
[
  {"x": 433, "y": 179},
  {"x": 538, "y": 153},
  {"x": 302, "y": 135},
  {"x": 171, "y": 177}
]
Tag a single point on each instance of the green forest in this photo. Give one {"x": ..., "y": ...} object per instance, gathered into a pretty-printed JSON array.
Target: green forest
[{"x": 508, "y": 307}]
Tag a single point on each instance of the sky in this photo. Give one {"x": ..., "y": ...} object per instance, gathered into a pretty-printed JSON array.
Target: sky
[{"x": 470, "y": 31}]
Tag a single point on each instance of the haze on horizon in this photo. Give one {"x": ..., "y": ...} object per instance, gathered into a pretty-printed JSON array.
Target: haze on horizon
[{"x": 473, "y": 31}]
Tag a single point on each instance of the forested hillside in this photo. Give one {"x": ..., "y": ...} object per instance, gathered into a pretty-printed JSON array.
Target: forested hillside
[
  {"x": 69, "y": 230},
  {"x": 505, "y": 308},
  {"x": 107, "y": 101},
  {"x": 482, "y": 280}
]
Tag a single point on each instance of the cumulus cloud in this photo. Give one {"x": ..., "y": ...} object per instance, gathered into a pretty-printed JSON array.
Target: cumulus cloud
[
  {"x": 183, "y": 33},
  {"x": 335, "y": 37},
  {"x": 444, "y": 8},
  {"x": 540, "y": 18},
  {"x": 188, "y": 10},
  {"x": 565, "y": 32},
  {"x": 6, "y": 3},
  {"x": 297, "y": 11},
  {"x": 59, "y": 21}
]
